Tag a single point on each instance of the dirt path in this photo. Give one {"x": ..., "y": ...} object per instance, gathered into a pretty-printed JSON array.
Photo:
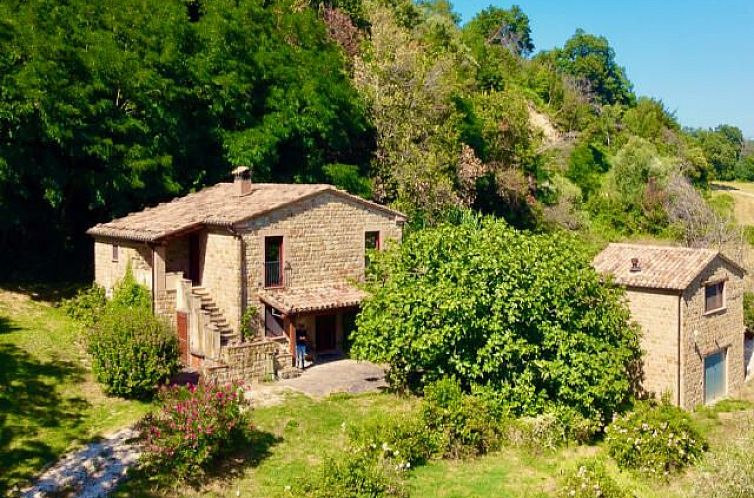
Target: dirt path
[{"x": 91, "y": 472}]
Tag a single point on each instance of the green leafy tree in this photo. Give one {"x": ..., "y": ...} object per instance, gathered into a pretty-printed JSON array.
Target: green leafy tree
[
  {"x": 508, "y": 28},
  {"x": 591, "y": 59},
  {"x": 409, "y": 91},
  {"x": 633, "y": 196},
  {"x": 496, "y": 307},
  {"x": 106, "y": 107},
  {"x": 649, "y": 119},
  {"x": 722, "y": 147},
  {"x": 585, "y": 167}
]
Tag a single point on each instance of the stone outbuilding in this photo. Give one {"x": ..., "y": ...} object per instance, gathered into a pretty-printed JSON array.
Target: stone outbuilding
[
  {"x": 285, "y": 256},
  {"x": 689, "y": 304}
]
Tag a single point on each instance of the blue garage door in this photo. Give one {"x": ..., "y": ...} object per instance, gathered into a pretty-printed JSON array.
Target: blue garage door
[{"x": 714, "y": 377}]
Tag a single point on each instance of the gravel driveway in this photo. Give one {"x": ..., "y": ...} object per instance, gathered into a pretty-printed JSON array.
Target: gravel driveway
[{"x": 318, "y": 381}]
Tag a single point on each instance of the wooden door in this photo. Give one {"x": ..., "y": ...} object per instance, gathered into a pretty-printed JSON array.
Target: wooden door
[
  {"x": 183, "y": 344},
  {"x": 714, "y": 377},
  {"x": 325, "y": 332}
]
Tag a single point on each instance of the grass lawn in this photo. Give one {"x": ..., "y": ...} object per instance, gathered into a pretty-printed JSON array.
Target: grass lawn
[
  {"x": 295, "y": 436},
  {"x": 49, "y": 402}
]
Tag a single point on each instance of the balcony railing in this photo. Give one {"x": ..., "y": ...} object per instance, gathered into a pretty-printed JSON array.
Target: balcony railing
[{"x": 273, "y": 274}]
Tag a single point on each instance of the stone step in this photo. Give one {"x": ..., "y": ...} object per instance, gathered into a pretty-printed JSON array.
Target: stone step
[{"x": 289, "y": 373}]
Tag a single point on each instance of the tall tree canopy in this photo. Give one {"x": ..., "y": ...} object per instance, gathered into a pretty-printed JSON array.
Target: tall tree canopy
[
  {"x": 591, "y": 59},
  {"x": 107, "y": 106},
  {"x": 506, "y": 27}
]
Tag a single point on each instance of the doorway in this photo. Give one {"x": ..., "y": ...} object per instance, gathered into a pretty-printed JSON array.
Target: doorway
[
  {"x": 714, "y": 377},
  {"x": 325, "y": 327},
  {"x": 195, "y": 258}
]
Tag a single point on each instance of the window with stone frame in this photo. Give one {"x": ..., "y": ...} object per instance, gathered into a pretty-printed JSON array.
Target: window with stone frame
[
  {"x": 115, "y": 253},
  {"x": 714, "y": 297}
]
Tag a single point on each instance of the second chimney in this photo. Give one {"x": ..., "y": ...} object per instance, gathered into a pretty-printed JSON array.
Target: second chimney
[
  {"x": 242, "y": 180},
  {"x": 635, "y": 267}
]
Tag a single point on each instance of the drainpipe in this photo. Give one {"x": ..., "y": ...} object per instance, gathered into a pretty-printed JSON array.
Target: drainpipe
[{"x": 680, "y": 356}]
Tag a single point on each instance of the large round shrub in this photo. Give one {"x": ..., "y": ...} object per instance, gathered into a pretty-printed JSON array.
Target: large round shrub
[
  {"x": 654, "y": 439},
  {"x": 132, "y": 351},
  {"x": 523, "y": 314}
]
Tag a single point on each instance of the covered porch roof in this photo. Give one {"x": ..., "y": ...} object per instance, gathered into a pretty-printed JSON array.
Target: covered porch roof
[{"x": 312, "y": 299}]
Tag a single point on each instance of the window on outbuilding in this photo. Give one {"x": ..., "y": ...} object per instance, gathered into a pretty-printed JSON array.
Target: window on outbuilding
[
  {"x": 714, "y": 297},
  {"x": 115, "y": 253}
]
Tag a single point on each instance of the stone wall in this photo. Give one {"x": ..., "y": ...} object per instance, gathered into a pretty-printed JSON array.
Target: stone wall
[
  {"x": 221, "y": 274},
  {"x": 165, "y": 306},
  {"x": 657, "y": 313},
  {"x": 323, "y": 241},
  {"x": 705, "y": 334},
  {"x": 107, "y": 273},
  {"x": 249, "y": 362}
]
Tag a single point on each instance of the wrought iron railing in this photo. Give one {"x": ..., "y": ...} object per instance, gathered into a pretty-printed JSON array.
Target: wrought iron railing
[{"x": 273, "y": 274}]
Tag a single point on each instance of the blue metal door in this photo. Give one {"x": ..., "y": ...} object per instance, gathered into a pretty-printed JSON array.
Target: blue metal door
[{"x": 714, "y": 377}]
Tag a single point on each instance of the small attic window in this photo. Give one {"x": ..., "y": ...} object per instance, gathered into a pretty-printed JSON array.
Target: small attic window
[
  {"x": 115, "y": 253},
  {"x": 714, "y": 297}
]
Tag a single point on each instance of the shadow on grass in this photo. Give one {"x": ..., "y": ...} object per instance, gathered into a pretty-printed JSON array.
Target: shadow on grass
[
  {"x": 29, "y": 404},
  {"x": 47, "y": 292},
  {"x": 7, "y": 326},
  {"x": 232, "y": 465}
]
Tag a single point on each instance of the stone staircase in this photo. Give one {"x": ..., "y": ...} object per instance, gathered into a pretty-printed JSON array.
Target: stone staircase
[{"x": 217, "y": 320}]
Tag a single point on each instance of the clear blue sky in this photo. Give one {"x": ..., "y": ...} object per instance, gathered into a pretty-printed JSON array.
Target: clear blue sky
[{"x": 696, "y": 56}]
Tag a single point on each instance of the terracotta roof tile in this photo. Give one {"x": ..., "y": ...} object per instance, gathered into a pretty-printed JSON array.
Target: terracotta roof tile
[
  {"x": 662, "y": 267},
  {"x": 303, "y": 300},
  {"x": 218, "y": 205}
]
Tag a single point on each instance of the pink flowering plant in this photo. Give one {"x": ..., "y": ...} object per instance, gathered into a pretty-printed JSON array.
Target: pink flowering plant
[{"x": 195, "y": 425}]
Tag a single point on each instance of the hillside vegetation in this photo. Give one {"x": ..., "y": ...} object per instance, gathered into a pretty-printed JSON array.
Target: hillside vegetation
[{"x": 106, "y": 107}]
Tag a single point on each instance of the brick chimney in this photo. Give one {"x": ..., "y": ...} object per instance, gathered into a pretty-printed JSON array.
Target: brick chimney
[{"x": 242, "y": 180}]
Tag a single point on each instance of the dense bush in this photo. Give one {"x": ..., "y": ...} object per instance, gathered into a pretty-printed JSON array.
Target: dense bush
[
  {"x": 90, "y": 304},
  {"x": 132, "y": 351},
  {"x": 128, "y": 293},
  {"x": 543, "y": 432},
  {"x": 352, "y": 476},
  {"x": 87, "y": 305},
  {"x": 655, "y": 439},
  {"x": 194, "y": 426},
  {"x": 589, "y": 479},
  {"x": 402, "y": 440},
  {"x": 518, "y": 313},
  {"x": 633, "y": 195},
  {"x": 460, "y": 424}
]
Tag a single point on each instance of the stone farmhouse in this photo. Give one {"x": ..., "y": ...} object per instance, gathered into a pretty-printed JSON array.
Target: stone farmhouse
[
  {"x": 689, "y": 304},
  {"x": 283, "y": 255}
]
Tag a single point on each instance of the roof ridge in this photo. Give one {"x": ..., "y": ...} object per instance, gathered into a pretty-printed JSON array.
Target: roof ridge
[
  {"x": 216, "y": 205},
  {"x": 658, "y": 246}
]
